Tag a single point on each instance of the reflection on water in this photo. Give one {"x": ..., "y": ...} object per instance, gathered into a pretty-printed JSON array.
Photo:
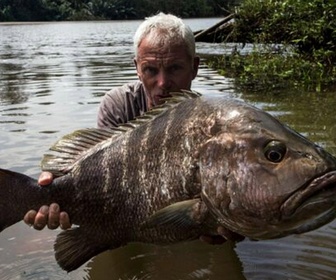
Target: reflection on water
[
  {"x": 192, "y": 260},
  {"x": 52, "y": 77},
  {"x": 312, "y": 114},
  {"x": 313, "y": 255}
]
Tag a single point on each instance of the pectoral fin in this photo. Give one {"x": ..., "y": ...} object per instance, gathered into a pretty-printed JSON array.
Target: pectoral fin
[{"x": 183, "y": 214}]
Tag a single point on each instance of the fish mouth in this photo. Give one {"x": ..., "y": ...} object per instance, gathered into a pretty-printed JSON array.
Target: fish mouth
[{"x": 313, "y": 205}]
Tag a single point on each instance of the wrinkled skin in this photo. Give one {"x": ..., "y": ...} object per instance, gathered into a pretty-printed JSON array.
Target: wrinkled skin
[{"x": 164, "y": 69}]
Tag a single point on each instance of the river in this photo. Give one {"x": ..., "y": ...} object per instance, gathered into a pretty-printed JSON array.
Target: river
[{"x": 52, "y": 78}]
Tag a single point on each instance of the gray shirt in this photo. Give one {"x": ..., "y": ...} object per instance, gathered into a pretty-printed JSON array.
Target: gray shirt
[{"x": 122, "y": 104}]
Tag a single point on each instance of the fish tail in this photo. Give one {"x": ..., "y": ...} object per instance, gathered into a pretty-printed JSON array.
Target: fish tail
[{"x": 16, "y": 190}]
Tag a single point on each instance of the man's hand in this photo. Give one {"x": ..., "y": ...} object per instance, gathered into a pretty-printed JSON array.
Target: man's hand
[
  {"x": 223, "y": 235},
  {"x": 213, "y": 239},
  {"x": 47, "y": 215}
]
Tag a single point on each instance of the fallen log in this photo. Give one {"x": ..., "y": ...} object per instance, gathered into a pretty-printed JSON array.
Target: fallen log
[{"x": 215, "y": 33}]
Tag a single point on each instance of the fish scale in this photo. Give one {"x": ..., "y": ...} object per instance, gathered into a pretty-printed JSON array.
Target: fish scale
[{"x": 185, "y": 168}]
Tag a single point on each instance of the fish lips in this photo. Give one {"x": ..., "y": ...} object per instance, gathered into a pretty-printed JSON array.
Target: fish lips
[{"x": 313, "y": 205}]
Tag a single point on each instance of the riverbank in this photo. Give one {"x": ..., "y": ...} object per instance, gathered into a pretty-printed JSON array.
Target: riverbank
[{"x": 293, "y": 41}]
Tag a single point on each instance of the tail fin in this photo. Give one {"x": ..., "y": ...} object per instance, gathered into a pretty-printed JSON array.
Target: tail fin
[{"x": 16, "y": 191}]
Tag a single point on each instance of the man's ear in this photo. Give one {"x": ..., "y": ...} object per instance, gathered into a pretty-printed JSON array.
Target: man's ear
[
  {"x": 136, "y": 67},
  {"x": 195, "y": 66},
  {"x": 135, "y": 63}
]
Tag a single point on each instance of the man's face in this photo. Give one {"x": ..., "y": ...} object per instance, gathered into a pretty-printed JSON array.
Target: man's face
[{"x": 164, "y": 69}]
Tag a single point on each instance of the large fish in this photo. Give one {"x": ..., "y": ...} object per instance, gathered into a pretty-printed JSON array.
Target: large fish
[{"x": 177, "y": 173}]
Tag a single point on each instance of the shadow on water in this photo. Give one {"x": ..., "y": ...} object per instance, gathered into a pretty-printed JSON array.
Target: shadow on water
[
  {"x": 52, "y": 79},
  {"x": 192, "y": 260}
]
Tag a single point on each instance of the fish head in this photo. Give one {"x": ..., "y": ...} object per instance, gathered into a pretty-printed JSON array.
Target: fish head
[{"x": 262, "y": 179}]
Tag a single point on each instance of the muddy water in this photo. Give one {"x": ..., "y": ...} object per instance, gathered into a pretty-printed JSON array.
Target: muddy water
[{"x": 52, "y": 78}]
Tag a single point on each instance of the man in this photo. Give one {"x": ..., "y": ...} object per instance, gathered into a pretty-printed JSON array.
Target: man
[{"x": 165, "y": 61}]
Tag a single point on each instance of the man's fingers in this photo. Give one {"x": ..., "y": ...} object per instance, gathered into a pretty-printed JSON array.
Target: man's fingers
[
  {"x": 229, "y": 235},
  {"x": 223, "y": 235},
  {"x": 48, "y": 215},
  {"x": 29, "y": 218},
  {"x": 41, "y": 218},
  {"x": 213, "y": 239},
  {"x": 54, "y": 216},
  {"x": 64, "y": 220},
  {"x": 45, "y": 178}
]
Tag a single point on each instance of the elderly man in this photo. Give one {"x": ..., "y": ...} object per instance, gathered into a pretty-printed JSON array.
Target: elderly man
[{"x": 165, "y": 61}]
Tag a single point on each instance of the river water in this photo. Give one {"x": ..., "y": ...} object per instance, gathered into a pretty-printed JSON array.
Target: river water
[{"x": 52, "y": 78}]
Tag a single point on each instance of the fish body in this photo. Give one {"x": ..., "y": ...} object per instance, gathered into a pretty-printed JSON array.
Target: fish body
[{"x": 180, "y": 171}]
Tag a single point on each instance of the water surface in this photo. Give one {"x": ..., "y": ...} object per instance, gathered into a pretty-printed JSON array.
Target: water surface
[{"x": 52, "y": 78}]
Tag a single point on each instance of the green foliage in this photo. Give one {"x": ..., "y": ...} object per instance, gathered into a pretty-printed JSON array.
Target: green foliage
[
  {"x": 6, "y": 13},
  {"x": 310, "y": 25},
  {"x": 264, "y": 71},
  {"x": 34, "y": 10},
  {"x": 45, "y": 10},
  {"x": 115, "y": 9},
  {"x": 306, "y": 28},
  {"x": 196, "y": 8}
]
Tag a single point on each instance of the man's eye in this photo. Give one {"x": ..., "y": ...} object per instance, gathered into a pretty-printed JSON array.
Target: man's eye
[
  {"x": 150, "y": 71},
  {"x": 174, "y": 68}
]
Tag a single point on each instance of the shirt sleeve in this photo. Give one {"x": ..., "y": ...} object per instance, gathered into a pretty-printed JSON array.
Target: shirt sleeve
[
  {"x": 121, "y": 105},
  {"x": 110, "y": 112}
]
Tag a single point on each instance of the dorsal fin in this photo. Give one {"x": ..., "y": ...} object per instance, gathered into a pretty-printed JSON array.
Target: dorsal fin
[
  {"x": 174, "y": 99},
  {"x": 76, "y": 145},
  {"x": 178, "y": 97}
]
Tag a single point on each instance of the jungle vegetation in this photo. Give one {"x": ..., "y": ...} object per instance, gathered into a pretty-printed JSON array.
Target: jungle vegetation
[
  {"x": 60, "y": 10},
  {"x": 292, "y": 44}
]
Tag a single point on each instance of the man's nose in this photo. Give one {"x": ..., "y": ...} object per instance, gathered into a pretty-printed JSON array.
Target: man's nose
[{"x": 163, "y": 79}]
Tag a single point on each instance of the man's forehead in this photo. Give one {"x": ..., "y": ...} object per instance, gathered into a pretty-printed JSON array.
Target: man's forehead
[
  {"x": 164, "y": 56},
  {"x": 162, "y": 49}
]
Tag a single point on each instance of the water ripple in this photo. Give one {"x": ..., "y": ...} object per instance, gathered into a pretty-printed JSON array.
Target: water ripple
[
  {"x": 307, "y": 256},
  {"x": 53, "y": 76}
]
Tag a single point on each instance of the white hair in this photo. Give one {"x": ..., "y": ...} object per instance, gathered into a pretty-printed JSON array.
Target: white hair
[{"x": 165, "y": 29}]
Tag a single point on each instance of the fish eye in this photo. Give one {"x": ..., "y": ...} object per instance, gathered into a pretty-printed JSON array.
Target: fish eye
[{"x": 275, "y": 151}]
